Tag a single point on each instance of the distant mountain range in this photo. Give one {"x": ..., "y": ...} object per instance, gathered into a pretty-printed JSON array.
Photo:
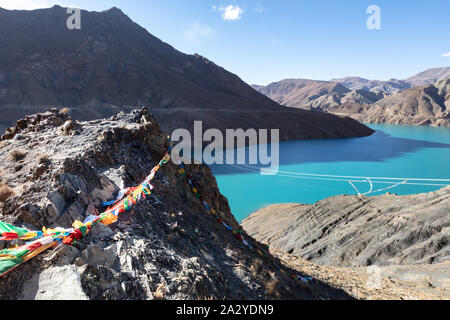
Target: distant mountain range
[
  {"x": 424, "y": 105},
  {"x": 113, "y": 64},
  {"x": 421, "y": 99},
  {"x": 429, "y": 76},
  {"x": 390, "y": 86}
]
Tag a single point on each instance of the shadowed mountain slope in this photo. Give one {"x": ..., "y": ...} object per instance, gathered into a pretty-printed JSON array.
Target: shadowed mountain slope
[{"x": 113, "y": 64}]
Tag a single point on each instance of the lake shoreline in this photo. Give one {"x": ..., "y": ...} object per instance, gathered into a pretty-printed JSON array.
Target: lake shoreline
[{"x": 393, "y": 151}]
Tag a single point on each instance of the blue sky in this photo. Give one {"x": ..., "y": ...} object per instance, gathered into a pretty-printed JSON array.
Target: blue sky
[{"x": 266, "y": 40}]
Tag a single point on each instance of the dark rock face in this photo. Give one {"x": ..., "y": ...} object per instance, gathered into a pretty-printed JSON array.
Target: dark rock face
[
  {"x": 349, "y": 231},
  {"x": 113, "y": 64},
  {"x": 167, "y": 246}
]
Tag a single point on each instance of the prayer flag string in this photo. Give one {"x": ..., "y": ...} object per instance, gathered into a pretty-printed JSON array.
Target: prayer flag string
[{"x": 39, "y": 241}]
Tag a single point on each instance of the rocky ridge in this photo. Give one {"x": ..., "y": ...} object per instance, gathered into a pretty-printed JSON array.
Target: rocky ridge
[
  {"x": 402, "y": 239},
  {"x": 429, "y": 76},
  {"x": 166, "y": 247},
  {"x": 350, "y": 231},
  {"x": 387, "y": 87}
]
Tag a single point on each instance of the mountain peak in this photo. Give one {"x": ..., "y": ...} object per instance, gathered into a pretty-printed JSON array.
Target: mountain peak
[
  {"x": 115, "y": 10},
  {"x": 429, "y": 76},
  {"x": 113, "y": 62}
]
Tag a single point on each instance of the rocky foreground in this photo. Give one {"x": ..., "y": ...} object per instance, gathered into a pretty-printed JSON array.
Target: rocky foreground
[
  {"x": 56, "y": 170},
  {"x": 404, "y": 282},
  {"x": 406, "y": 237}
]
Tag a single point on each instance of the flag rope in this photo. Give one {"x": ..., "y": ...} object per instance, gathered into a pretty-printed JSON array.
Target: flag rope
[
  {"x": 40, "y": 241},
  {"x": 238, "y": 232}
]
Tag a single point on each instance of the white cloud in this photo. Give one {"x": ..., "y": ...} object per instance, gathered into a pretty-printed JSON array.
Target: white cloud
[
  {"x": 198, "y": 31},
  {"x": 24, "y": 4},
  {"x": 230, "y": 12},
  {"x": 446, "y": 54}
]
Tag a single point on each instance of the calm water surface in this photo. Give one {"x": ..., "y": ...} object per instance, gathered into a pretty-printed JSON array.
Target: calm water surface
[{"x": 393, "y": 151}]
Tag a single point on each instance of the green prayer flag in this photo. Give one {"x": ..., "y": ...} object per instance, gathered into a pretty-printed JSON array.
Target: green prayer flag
[
  {"x": 8, "y": 264},
  {"x": 5, "y": 227},
  {"x": 17, "y": 252}
]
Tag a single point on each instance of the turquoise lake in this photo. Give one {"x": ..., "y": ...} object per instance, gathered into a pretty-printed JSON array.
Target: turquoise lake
[{"x": 393, "y": 151}]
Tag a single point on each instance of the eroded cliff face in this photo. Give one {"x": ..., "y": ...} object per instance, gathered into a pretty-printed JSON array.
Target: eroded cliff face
[
  {"x": 168, "y": 246},
  {"x": 348, "y": 242},
  {"x": 350, "y": 231}
]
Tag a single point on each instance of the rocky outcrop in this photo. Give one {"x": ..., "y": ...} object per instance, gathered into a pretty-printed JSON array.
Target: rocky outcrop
[
  {"x": 384, "y": 247},
  {"x": 394, "y": 282},
  {"x": 349, "y": 231},
  {"x": 112, "y": 64},
  {"x": 54, "y": 283},
  {"x": 166, "y": 247}
]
